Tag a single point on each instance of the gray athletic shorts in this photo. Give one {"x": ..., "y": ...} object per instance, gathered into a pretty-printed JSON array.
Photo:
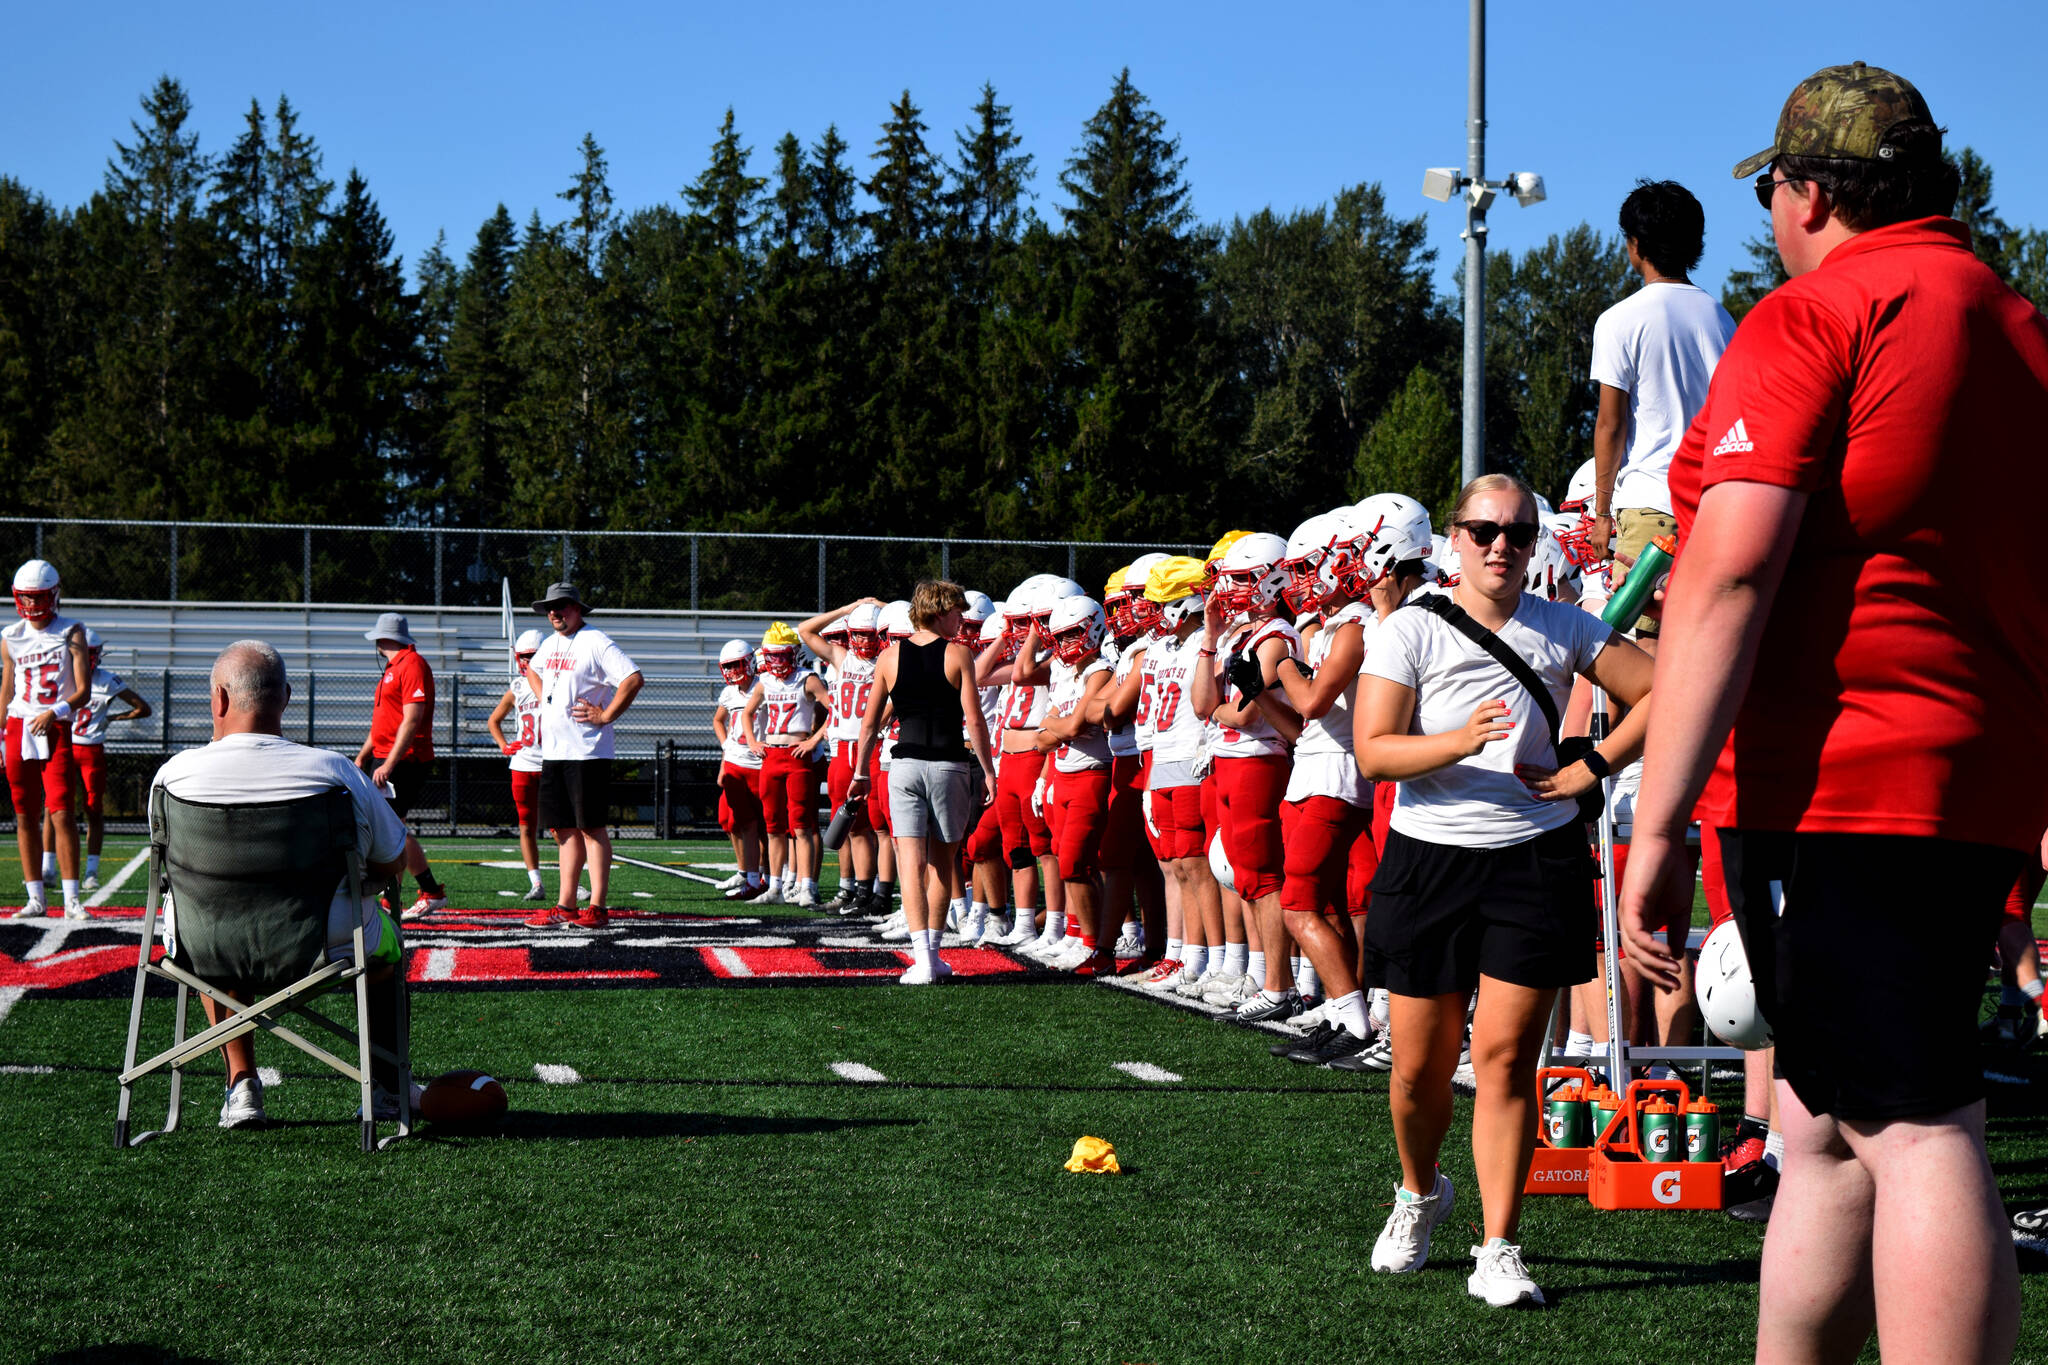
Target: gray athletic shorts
[{"x": 932, "y": 799}]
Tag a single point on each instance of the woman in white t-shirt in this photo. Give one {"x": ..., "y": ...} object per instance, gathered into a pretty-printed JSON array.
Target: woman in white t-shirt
[{"x": 1486, "y": 878}]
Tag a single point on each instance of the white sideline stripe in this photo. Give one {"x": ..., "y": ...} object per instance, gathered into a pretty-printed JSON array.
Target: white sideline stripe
[
  {"x": 9, "y": 998},
  {"x": 684, "y": 873},
  {"x": 857, "y": 1071},
  {"x": 28, "y": 1070},
  {"x": 554, "y": 1073},
  {"x": 118, "y": 880},
  {"x": 732, "y": 962},
  {"x": 1145, "y": 1071},
  {"x": 270, "y": 1076},
  {"x": 645, "y": 895},
  {"x": 440, "y": 965}
]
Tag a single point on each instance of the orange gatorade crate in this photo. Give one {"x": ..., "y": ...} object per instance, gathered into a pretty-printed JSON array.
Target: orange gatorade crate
[
  {"x": 1563, "y": 1160},
  {"x": 1621, "y": 1176}
]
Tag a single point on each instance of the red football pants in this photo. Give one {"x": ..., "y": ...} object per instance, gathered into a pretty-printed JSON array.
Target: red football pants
[{"x": 1248, "y": 792}]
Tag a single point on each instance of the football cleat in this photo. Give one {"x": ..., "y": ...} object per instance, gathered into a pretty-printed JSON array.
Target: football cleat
[
  {"x": 74, "y": 909},
  {"x": 594, "y": 917},
  {"x": 32, "y": 909},
  {"x": 554, "y": 917},
  {"x": 424, "y": 906}
]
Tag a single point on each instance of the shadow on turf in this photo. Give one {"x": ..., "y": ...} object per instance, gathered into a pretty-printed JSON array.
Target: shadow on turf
[
  {"x": 532, "y": 1126},
  {"x": 1648, "y": 1274},
  {"x": 122, "y": 1353}
]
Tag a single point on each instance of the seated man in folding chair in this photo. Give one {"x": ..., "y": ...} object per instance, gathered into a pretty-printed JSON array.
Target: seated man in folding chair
[{"x": 250, "y": 761}]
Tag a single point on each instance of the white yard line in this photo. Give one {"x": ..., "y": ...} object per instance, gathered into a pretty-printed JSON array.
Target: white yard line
[
  {"x": 1145, "y": 1071},
  {"x": 682, "y": 872},
  {"x": 554, "y": 1073},
  {"x": 856, "y": 1071},
  {"x": 118, "y": 880}
]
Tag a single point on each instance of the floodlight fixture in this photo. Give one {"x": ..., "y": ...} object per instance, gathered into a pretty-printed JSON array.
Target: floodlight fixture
[
  {"x": 1441, "y": 182},
  {"x": 1527, "y": 187}
]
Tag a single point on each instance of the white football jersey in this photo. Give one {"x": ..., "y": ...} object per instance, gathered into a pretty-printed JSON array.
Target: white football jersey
[
  {"x": 850, "y": 691},
  {"x": 1177, "y": 730},
  {"x": 89, "y": 722},
  {"x": 526, "y": 716},
  {"x": 1123, "y": 739},
  {"x": 736, "y": 752},
  {"x": 42, "y": 665},
  {"x": 1024, "y": 706},
  {"x": 787, "y": 707},
  {"x": 1256, "y": 735},
  {"x": 1090, "y": 748}
]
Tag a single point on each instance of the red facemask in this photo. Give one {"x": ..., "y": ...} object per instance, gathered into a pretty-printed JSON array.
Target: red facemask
[{"x": 35, "y": 604}]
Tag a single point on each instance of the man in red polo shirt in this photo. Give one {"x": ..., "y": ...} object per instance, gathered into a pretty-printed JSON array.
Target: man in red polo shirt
[
  {"x": 1839, "y": 505},
  {"x": 398, "y": 753}
]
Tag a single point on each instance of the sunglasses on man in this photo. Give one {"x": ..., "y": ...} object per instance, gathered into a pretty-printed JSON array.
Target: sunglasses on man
[
  {"x": 1766, "y": 187},
  {"x": 1520, "y": 534}
]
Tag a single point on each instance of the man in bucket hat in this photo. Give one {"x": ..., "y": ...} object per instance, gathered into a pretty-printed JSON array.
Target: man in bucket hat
[
  {"x": 585, "y": 683},
  {"x": 398, "y": 753},
  {"x": 1875, "y": 792}
]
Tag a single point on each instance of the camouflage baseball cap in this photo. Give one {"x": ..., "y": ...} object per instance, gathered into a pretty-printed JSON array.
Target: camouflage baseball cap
[{"x": 1840, "y": 111}]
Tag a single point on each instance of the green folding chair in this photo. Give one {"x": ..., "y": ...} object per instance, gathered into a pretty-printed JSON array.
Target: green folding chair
[{"x": 249, "y": 888}]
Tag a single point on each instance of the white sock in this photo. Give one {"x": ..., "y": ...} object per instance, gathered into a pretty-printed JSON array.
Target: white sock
[
  {"x": 1577, "y": 1044},
  {"x": 1348, "y": 1013},
  {"x": 754, "y": 877},
  {"x": 1055, "y": 925},
  {"x": 921, "y": 948},
  {"x": 92, "y": 867},
  {"x": 1380, "y": 1008},
  {"x": 70, "y": 889},
  {"x": 1235, "y": 958},
  {"x": 1255, "y": 963},
  {"x": 2032, "y": 989},
  {"x": 1305, "y": 979},
  {"x": 533, "y": 877},
  {"x": 49, "y": 867},
  {"x": 1271, "y": 996},
  {"x": 810, "y": 886},
  {"x": 35, "y": 889},
  {"x": 1173, "y": 949},
  {"x": 1774, "y": 1149},
  {"x": 1194, "y": 958}
]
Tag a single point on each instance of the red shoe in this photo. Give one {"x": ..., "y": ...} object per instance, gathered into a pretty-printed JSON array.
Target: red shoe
[
  {"x": 1101, "y": 964},
  {"x": 1743, "y": 1153},
  {"x": 554, "y": 917},
  {"x": 594, "y": 917}
]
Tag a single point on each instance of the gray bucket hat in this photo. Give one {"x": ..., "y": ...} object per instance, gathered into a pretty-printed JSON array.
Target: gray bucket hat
[
  {"x": 559, "y": 593},
  {"x": 390, "y": 626}
]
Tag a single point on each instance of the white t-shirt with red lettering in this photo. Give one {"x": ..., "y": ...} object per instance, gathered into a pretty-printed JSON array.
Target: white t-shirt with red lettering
[{"x": 585, "y": 666}]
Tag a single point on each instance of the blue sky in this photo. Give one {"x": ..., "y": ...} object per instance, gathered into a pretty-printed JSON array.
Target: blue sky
[{"x": 448, "y": 109}]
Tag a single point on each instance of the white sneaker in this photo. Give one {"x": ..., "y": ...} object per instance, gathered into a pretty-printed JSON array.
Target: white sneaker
[
  {"x": 975, "y": 925},
  {"x": 1403, "y": 1243},
  {"x": 91, "y": 882},
  {"x": 1131, "y": 943},
  {"x": 34, "y": 909},
  {"x": 940, "y": 971},
  {"x": 1500, "y": 1277},
  {"x": 1046, "y": 941},
  {"x": 770, "y": 895},
  {"x": 1306, "y": 1021},
  {"x": 1070, "y": 956},
  {"x": 788, "y": 890},
  {"x": 74, "y": 909},
  {"x": 806, "y": 899},
  {"x": 1162, "y": 978},
  {"x": 384, "y": 1103},
  {"x": 1247, "y": 991},
  {"x": 424, "y": 906},
  {"x": 243, "y": 1105},
  {"x": 1463, "y": 1078},
  {"x": 1021, "y": 931},
  {"x": 917, "y": 974},
  {"x": 1225, "y": 988},
  {"x": 893, "y": 930},
  {"x": 732, "y": 883},
  {"x": 1192, "y": 988}
]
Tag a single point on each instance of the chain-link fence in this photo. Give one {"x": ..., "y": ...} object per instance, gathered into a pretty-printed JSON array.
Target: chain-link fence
[
  {"x": 665, "y": 778},
  {"x": 148, "y": 561}
]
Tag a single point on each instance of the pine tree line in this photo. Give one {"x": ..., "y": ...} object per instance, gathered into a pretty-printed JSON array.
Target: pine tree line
[{"x": 889, "y": 341}]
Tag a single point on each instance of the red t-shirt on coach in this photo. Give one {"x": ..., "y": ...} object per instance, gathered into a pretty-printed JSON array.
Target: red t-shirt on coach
[
  {"x": 1901, "y": 686},
  {"x": 407, "y": 678}
]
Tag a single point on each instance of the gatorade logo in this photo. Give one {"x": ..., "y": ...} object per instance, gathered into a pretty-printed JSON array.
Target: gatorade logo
[{"x": 1664, "y": 1189}]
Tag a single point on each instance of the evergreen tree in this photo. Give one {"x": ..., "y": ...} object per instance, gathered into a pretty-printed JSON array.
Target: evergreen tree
[
  {"x": 32, "y": 365},
  {"x": 1413, "y": 447},
  {"x": 419, "y": 476},
  {"x": 480, "y": 381}
]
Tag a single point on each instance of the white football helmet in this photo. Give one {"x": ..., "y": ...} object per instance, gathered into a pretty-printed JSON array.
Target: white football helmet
[
  {"x": 1578, "y": 494},
  {"x": 36, "y": 587},
  {"x": 1551, "y": 573},
  {"x": 896, "y": 620},
  {"x": 838, "y": 630},
  {"x": 864, "y": 631},
  {"x": 1395, "y": 528},
  {"x": 1307, "y": 548},
  {"x": 1727, "y": 992},
  {"x": 1442, "y": 565},
  {"x": 990, "y": 633},
  {"x": 1249, "y": 577},
  {"x": 94, "y": 644},
  {"x": 1134, "y": 577},
  {"x": 978, "y": 609},
  {"x": 735, "y": 662},
  {"x": 1077, "y": 625}
]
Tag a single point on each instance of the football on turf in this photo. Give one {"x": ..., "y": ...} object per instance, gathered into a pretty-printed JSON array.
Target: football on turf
[{"x": 463, "y": 1099}]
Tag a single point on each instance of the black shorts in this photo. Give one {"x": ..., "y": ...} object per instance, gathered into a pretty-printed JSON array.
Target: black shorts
[
  {"x": 575, "y": 793},
  {"x": 1443, "y": 916},
  {"x": 1873, "y": 973},
  {"x": 408, "y": 776}
]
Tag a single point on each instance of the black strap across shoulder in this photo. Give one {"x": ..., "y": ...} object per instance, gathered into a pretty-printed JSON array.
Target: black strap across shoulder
[{"x": 1460, "y": 620}]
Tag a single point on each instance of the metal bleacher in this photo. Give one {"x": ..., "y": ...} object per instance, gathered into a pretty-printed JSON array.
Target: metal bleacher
[{"x": 165, "y": 649}]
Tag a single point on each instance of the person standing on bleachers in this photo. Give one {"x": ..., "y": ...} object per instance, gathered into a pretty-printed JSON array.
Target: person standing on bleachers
[{"x": 398, "y": 753}]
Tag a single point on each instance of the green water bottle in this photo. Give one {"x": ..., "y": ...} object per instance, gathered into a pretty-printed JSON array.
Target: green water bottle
[
  {"x": 1645, "y": 578},
  {"x": 1569, "y": 1116},
  {"x": 1605, "y": 1102},
  {"x": 1659, "y": 1120},
  {"x": 1702, "y": 1131}
]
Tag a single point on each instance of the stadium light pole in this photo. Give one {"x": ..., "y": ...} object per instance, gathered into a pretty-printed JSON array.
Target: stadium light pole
[{"x": 1440, "y": 183}]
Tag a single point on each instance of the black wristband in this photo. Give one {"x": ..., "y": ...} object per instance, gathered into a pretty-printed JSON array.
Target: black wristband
[{"x": 1596, "y": 765}]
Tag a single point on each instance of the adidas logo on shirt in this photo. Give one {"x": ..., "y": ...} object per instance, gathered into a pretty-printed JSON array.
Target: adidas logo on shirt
[{"x": 1736, "y": 442}]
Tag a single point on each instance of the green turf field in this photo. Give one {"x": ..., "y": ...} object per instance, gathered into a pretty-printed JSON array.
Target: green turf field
[{"x": 711, "y": 1186}]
